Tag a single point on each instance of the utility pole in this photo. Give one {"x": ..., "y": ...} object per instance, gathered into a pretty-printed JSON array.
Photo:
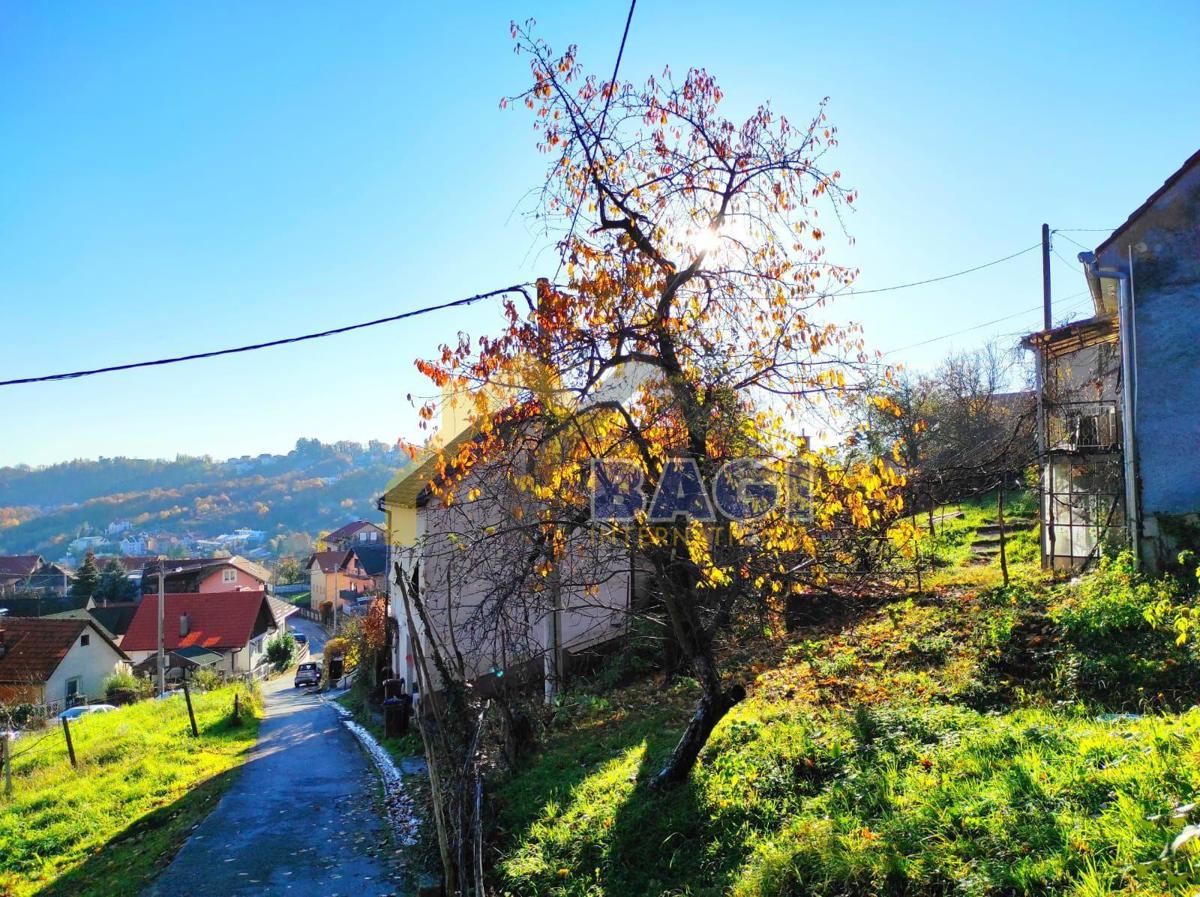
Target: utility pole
[
  {"x": 162, "y": 661},
  {"x": 1048, "y": 318}
]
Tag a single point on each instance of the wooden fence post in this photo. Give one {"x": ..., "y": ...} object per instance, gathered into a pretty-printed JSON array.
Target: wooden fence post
[
  {"x": 1000, "y": 524},
  {"x": 187, "y": 696},
  {"x": 70, "y": 746},
  {"x": 6, "y": 758},
  {"x": 237, "y": 707}
]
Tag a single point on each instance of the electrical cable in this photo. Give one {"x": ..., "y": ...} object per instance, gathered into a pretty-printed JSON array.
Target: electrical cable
[
  {"x": 603, "y": 117},
  {"x": 1016, "y": 314},
  {"x": 73, "y": 375},
  {"x": 917, "y": 283}
]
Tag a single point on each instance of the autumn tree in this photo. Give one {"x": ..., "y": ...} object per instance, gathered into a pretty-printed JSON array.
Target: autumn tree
[{"x": 689, "y": 327}]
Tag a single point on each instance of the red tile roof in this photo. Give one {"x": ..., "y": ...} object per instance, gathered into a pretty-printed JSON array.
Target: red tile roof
[
  {"x": 346, "y": 531},
  {"x": 216, "y": 620},
  {"x": 35, "y": 646},
  {"x": 330, "y": 561},
  {"x": 19, "y": 564}
]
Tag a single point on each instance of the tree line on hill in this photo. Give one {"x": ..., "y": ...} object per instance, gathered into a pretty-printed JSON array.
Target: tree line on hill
[{"x": 298, "y": 494}]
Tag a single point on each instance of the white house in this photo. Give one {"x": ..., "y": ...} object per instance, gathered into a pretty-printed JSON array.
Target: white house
[{"x": 55, "y": 661}]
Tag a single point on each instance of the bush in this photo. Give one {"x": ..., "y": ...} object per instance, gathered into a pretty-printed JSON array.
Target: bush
[
  {"x": 281, "y": 651},
  {"x": 1119, "y": 642},
  {"x": 23, "y": 716},
  {"x": 126, "y": 688},
  {"x": 206, "y": 680}
]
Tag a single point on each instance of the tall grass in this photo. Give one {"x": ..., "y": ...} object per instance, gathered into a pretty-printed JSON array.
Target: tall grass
[{"x": 142, "y": 782}]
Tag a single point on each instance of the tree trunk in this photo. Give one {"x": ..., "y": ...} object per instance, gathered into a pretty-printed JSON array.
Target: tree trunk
[
  {"x": 710, "y": 711},
  {"x": 932, "y": 531}
]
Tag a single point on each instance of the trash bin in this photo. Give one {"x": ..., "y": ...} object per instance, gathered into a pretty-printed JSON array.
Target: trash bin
[{"x": 396, "y": 713}]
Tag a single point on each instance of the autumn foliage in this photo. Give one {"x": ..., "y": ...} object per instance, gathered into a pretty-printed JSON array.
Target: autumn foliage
[{"x": 690, "y": 317}]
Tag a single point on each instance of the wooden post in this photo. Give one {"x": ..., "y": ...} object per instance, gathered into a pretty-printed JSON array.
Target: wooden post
[
  {"x": 1000, "y": 523},
  {"x": 6, "y": 759},
  {"x": 237, "y": 707},
  {"x": 917, "y": 554},
  {"x": 70, "y": 745},
  {"x": 187, "y": 696}
]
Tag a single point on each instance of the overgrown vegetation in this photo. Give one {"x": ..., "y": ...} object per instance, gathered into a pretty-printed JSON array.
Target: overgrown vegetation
[
  {"x": 974, "y": 740},
  {"x": 126, "y": 688},
  {"x": 281, "y": 651},
  {"x": 143, "y": 782}
]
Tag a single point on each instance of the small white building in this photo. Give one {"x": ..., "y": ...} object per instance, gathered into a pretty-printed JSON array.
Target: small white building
[{"x": 55, "y": 661}]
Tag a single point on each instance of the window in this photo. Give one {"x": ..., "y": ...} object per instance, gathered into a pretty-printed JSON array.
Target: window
[
  {"x": 374, "y": 536},
  {"x": 85, "y": 640},
  {"x": 72, "y": 691},
  {"x": 228, "y": 575}
]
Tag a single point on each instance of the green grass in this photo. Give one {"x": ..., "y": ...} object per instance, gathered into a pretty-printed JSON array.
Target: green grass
[
  {"x": 972, "y": 742},
  {"x": 143, "y": 782},
  {"x": 933, "y": 801},
  {"x": 399, "y": 748},
  {"x": 956, "y": 526},
  {"x": 303, "y": 599}
]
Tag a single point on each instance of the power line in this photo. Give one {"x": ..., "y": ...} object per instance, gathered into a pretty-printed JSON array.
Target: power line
[
  {"x": 1068, "y": 239},
  {"x": 603, "y": 117},
  {"x": 918, "y": 283},
  {"x": 1017, "y": 314},
  {"x": 1073, "y": 266},
  {"x": 253, "y": 347}
]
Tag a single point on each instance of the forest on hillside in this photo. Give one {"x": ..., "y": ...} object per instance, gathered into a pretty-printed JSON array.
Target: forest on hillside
[{"x": 315, "y": 487}]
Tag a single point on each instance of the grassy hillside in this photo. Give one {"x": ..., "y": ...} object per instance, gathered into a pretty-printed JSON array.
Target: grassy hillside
[
  {"x": 312, "y": 488},
  {"x": 143, "y": 782},
  {"x": 972, "y": 740}
]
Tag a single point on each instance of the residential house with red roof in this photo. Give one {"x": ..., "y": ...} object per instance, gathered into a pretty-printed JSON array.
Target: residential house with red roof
[
  {"x": 207, "y": 575},
  {"x": 353, "y": 535},
  {"x": 28, "y": 573},
  {"x": 235, "y": 625},
  {"x": 55, "y": 661},
  {"x": 337, "y": 576}
]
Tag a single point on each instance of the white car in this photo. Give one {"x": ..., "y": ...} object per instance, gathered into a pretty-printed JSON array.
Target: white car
[{"x": 85, "y": 710}]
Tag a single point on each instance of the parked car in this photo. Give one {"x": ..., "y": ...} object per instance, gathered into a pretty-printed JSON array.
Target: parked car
[
  {"x": 308, "y": 674},
  {"x": 85, "y": 710},
  {"x": 300, "y": 637}
]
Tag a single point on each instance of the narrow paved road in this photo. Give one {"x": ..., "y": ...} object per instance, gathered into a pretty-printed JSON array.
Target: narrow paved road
[{"x": 302, "y": 818}]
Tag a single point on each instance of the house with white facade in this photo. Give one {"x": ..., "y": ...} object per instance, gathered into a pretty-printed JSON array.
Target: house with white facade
[{"x": 55, "y": 662}]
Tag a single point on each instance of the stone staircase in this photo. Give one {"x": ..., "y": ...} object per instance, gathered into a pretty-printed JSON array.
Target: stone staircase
[{"x": 986, "y": 547}]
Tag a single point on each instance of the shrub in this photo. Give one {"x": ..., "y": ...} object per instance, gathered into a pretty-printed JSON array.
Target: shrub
[
  {"x": 281, "y": 651},
  {"x": 126, "y": 688},
  {"x": 1118, "y": 647},
  {"x": 206, "y": 680}
]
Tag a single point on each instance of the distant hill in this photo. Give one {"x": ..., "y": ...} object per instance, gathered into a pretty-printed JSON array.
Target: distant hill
[{"x": 292, "y": 497}]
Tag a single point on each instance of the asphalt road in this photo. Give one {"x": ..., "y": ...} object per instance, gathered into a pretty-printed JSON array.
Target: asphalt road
[
  {"x": 316, "y": 635},
  {"x": 302, "y": 818}
]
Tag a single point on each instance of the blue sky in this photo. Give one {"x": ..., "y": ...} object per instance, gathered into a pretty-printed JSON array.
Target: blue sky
[{"x": 179, "y": 177}]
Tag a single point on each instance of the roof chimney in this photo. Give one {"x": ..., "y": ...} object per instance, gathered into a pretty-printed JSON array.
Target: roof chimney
[{"x": 183, "y": 624}]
